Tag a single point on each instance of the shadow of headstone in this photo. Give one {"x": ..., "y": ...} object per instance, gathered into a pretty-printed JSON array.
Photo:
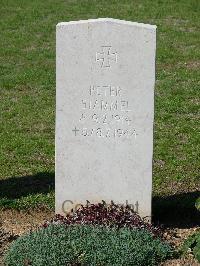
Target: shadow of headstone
[{"x": 176, "y": 210}]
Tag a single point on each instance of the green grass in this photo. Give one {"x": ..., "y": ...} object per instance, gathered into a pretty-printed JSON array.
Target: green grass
[{"x": 27, "y": 91}]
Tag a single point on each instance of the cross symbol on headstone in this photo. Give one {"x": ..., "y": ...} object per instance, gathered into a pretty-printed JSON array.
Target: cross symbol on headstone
[
  {"x": 106, "y": 56},
  {"x": 75, "y": 130}
]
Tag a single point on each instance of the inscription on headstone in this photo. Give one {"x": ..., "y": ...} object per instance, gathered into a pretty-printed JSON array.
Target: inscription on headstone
[
  {"x": 104, "y": 113},
  {"x": 107, "y": 108}
]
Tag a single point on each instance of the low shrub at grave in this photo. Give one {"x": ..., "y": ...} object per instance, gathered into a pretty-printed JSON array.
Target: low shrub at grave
[
  {"x": 192, "y": 245},
  {"x": 105, "y": 214},
  {"x": 87, "y": 245}
]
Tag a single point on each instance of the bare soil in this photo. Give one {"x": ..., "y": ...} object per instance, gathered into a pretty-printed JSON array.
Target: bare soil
[{"x": 15, "y": 223}]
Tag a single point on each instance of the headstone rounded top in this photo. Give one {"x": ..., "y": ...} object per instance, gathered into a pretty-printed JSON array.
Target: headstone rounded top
[{"x": 108, "y": 20}]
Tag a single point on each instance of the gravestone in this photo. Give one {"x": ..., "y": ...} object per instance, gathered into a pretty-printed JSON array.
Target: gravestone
[{"x": 105, "y": 72}]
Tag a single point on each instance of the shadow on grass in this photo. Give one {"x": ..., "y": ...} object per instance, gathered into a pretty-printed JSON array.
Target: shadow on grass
[
  {"x": 171, "y": 211},
  {"x": 16, "y": 187},
  {"x": 176, "y": 210}
]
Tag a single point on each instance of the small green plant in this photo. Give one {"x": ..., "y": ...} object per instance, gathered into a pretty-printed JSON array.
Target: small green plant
[
  {"x": 197, "y": 204},
  {"x": 87, "y": 245},
  {"x": 192, "y": 244}
]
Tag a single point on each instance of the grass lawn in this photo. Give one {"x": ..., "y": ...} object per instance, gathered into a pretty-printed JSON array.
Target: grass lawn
[{"x": 27, "y": 92}]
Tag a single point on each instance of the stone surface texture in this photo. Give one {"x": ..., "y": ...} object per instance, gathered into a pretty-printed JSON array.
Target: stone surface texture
[{"x": 105, "y": 75}]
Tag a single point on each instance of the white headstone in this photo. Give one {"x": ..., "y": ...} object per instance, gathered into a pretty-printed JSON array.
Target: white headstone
[{"x": 104, "y": 113}]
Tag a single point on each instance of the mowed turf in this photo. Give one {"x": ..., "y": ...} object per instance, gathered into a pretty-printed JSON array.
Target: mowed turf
[{"x": 27, "y": 92}]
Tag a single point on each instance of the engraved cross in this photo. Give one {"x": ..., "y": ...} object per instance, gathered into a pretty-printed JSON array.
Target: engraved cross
[
  {"x": 106, "y": 56},
  {"x": 75, "y": 130}
]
